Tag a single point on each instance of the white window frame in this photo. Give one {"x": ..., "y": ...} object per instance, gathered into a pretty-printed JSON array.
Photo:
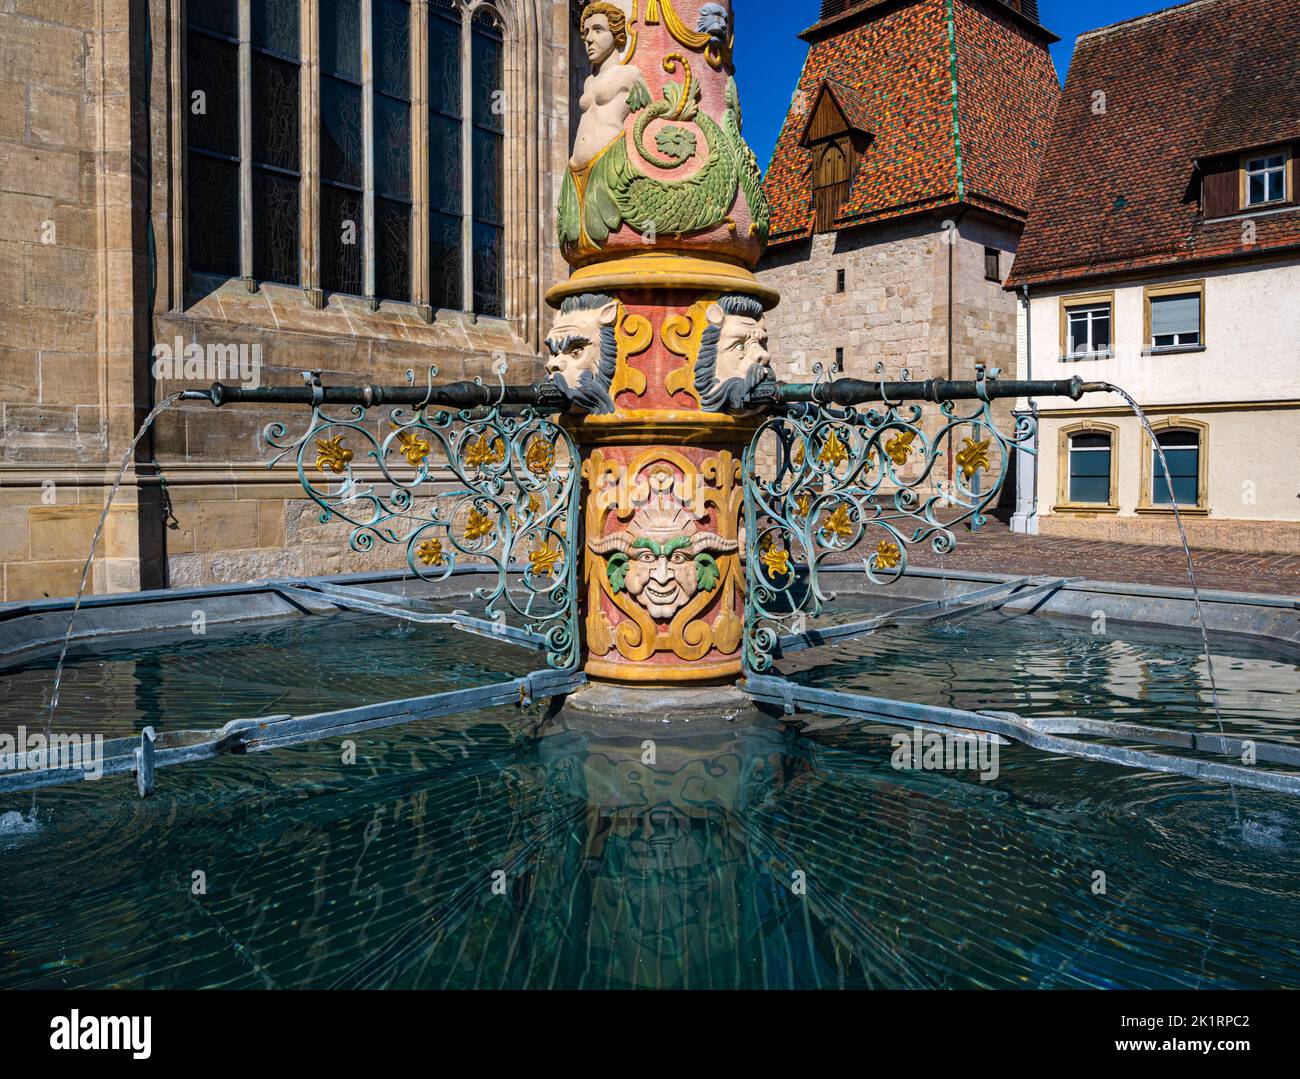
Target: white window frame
[
  {"x": 1091, "y": 308},
  {"x": 1261, "y": 166}
]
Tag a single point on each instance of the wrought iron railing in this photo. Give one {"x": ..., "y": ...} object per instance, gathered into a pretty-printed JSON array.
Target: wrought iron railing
[
  {"x": 847, "y": 462},
  {"x": 827, "y": 481},
  {"x": 480, "y": 482},
  {"x": 824, "y": 478}
]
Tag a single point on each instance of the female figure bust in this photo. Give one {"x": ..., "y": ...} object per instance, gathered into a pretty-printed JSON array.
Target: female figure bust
[{"x": 604, "y": 95}]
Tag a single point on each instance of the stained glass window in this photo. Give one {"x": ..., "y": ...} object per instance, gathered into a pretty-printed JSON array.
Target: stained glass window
[
  {"x": 488, "y": 101},
  {"x": 218, "y": 16},
  {"x": 340, "y": 38},
  {"x": 276, "y": 159},
  {"x": 213, "y": 218},
  {"x": 445, "y": 186},
  {"x": 244, "y": 209},
  {"x": 342, "y": 164},
  {"x": 392, "y": 148},
  {"x": 212, "y": 127},
  {"x": 341, "y": 212},
  {"x": 275, "y": 26}
]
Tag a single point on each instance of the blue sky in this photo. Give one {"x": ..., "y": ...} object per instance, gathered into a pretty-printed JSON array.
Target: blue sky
[{"x": 769, "y": 56}]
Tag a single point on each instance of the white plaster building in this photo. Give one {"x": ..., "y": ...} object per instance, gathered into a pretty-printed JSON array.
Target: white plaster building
[{"x": 1162, "y": 255}]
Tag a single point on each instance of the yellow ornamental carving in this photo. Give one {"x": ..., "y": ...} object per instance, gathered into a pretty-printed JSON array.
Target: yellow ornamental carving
[
  {"x": 681, "y": 32},
  {"x": 430, "y": 552},
  {"x": 411, "y": 446},
  {"x": 899, "y": 447},
  {"x": 837, "y": 523},
  {"x": 600, "y": 634},
  {"x": 539, "y": 457},
  {"x": 833, "y": 451},
  {"x": 332, "y": 455},
  {"x": 544, "y": 560},
  {"x": 726, "y": 632},
  {"x": 480, "y": 524},
  {"x": 796, "y": 458},
  {"x": 711, "y": 579},
  {"x": 887, "y": 554},
  {"x": 973, "y": 456},
  {"x": 777, "y": 561},
  {"x": 803, "y": 504},
  {"x": 480, "y": 452}
]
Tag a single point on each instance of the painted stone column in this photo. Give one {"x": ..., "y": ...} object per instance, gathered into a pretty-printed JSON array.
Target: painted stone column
[{"x": 658, "y": 337}]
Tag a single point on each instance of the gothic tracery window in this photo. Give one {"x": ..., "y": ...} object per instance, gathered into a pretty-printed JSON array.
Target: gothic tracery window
[
  {"x": 342, "y": 153},
  {"x": 445, "y": 169},
  {"x": 276, "y": 175},
  {"x": 330, "y": 199},
  {"x": 489, "y": 128},
  {"x": 212, "y": 127}
]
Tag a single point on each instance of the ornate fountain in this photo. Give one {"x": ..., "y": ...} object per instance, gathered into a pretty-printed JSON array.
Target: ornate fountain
[
  {"x": 658, "y": 519},
  {"x": 659, "y": 339},
  {"x": 701, "y": 497}
]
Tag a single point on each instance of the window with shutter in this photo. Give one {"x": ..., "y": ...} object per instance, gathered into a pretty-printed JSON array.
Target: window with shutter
[
  {"x": 1175, "y": 316},
  {"x": 1087, "y": 476},
  {"x": 992, "y": 267},
  {"x": 1184, "y": 445},
  {"x": 835, "y": 145},
  {"x": 1176, "y": 320}
]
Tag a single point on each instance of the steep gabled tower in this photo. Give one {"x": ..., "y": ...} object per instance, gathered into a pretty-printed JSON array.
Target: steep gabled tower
[{"x": 900, "y": 184}]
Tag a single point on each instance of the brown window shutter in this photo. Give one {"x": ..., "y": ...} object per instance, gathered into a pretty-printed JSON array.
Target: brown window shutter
[{"x": 1220, "y": 190}]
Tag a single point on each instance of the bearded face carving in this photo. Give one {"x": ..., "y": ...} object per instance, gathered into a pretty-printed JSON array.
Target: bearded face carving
[
  {"x": 733, "y": 356},
  {"x": 584, "y": 351},
  {"x": 713, "y": 21},
  {"x": 663, "y": 558}
]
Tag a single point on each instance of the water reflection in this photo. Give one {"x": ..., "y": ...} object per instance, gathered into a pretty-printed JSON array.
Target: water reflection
[{"x": 510, "y": 849}]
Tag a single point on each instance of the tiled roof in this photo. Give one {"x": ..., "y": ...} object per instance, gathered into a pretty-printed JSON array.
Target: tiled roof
[
  {"x": 899, "y": 62},
  {"x": 1118, "y": 189}
]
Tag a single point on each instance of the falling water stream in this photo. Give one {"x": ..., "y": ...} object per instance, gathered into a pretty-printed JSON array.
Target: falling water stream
[
  {"x": 127, "y": 458},
  {"x": 1187, "y": 553}
]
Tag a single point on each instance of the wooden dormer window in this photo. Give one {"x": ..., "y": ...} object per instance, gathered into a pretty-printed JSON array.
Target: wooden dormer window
[
  {"x": 831, "y": 180},
  {"x": 1248, "y": 182},
  {"x": 836, "y": 137}
]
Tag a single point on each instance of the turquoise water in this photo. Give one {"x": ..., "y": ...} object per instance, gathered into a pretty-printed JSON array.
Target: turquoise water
[{"x": 494, "y": 849}]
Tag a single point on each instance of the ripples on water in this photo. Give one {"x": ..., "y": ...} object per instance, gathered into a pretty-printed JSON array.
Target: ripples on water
[{"x": 617, "y": 874}]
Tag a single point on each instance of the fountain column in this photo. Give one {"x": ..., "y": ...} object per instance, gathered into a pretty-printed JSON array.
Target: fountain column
[{"x": 658, "y": 336}]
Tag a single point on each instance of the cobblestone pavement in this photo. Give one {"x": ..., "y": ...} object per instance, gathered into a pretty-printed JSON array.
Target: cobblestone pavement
[{"x": 995, "y": 549}]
